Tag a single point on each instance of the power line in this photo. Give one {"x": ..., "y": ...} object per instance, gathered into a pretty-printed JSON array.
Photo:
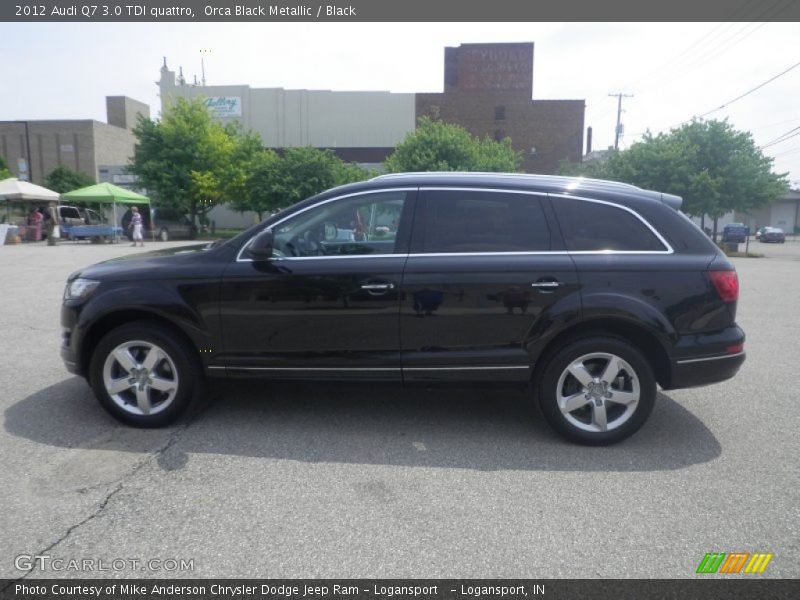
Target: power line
[
  {"x": 739, "y": 97},
  {"x": 792, "y": 150},
  {"x": 740, "y": 35},
  {"x": 747, "y": 93},
  {"x": 701, "y": 44},
  {"x": 780, "y": 138},
  {"x": 711, "y": 48},
  {"x": 788, "y": 137}
]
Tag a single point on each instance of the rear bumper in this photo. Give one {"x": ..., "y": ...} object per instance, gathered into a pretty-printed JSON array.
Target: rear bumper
[
  {"x": 704, "y": 371},
  {"x": 706, "y": 358}
]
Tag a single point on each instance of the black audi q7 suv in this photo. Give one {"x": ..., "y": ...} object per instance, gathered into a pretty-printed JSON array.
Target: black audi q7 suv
[{"x": 590, "y": 292}]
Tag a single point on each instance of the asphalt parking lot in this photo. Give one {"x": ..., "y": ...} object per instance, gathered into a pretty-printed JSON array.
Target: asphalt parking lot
[{"x": 374, "y": 481}]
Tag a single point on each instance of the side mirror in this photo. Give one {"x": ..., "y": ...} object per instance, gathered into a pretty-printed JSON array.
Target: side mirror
[{"x": 261, "y": 248}]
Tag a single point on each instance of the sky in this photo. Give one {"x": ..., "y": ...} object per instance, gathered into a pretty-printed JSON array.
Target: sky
[{"x": 674, "y": 70}]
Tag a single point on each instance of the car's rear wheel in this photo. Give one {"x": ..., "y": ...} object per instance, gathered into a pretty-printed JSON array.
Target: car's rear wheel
[
  {"x": 144, "y": 375},
  {"x": 597, "y": 391}
]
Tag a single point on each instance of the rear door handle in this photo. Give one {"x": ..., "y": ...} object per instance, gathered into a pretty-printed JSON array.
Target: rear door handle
[{"x": 377, "y": 288}]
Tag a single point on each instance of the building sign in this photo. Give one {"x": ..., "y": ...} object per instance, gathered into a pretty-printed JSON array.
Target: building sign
[
  {"x": 222, "y": 107},
  {"x": 22, "y": 169},
  {"x": 123, "y": 178},
  {"x": 495, "y": 67},
  {"x": 67, "y": 148}
]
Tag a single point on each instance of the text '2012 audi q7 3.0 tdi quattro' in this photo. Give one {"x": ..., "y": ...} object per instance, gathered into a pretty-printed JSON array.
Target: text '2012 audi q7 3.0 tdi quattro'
[{"x": 590, "y": 292}]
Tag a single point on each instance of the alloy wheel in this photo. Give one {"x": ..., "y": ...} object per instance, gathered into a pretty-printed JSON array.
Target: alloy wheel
[
  {"x": 598, "y": 392},
  {"x": 140, "y": 377}
]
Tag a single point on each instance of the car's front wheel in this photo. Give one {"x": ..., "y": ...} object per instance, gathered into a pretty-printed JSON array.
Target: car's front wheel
[
  {"x": 597, "y": 390},
  {"x": 143, "y": 375}
]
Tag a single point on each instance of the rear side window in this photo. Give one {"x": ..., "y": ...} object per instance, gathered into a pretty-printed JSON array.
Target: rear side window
[
  {"x": 593, "y": 226},
  {"x": 477, "y": 221}
]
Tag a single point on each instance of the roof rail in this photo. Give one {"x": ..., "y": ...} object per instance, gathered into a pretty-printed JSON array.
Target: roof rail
[{"x": 531, "y": 176}]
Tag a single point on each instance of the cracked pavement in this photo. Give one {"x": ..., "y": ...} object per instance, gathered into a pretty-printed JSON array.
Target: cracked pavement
[{"x": 371, "y": 481}]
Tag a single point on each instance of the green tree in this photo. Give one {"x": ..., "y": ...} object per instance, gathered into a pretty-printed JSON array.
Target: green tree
[
  {"x": 305, "y": 171},
  {"x": 439, "y": 146},
  {"x": 185, "y": 161},
  {"x": 63, "y": 179},
  {"x": 4, "y": 172},
  {"x": 712, "y": 166},
  {"x": 271, "y": 181},
  {"x": 255, "y": 189}
]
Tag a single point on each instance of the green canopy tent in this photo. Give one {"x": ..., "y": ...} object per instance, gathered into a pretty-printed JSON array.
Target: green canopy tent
[{"x": 106, "y": 193}]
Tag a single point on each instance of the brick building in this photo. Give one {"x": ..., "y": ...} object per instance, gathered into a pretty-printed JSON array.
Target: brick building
[
  {"x": 91, "y": 147},
  {"x": 488, "y": 90}
]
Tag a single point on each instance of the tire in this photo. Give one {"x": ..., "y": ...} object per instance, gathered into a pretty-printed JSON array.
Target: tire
[
  {"x": 622, "y": 402},
  {"x": 163, "y": 235},
  {"x": 123, "y": 352}
]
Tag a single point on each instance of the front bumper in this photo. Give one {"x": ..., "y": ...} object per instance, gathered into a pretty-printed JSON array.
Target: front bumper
[{"x": 70, "y": 340}]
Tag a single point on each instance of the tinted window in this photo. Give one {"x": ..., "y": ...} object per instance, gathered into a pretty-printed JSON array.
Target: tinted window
[
  {"x": 165, "y": 214},
  {"x": 591, "y": 226},
  {"x": 365, "y": 224},
  {"x": 467, "y": 221},
  {"x": 68, "y": 212}
]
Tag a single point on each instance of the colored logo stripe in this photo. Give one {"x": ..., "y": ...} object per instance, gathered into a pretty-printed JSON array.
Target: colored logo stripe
[
  {"x": 734, "y": 562},
  {"x": 758, "y": 562},
  {"x": 711, "y": 562},
  {"x": 721, "y": 562}
]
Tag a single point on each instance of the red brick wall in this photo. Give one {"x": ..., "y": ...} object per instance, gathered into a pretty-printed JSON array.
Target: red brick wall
[
  {"x": 481, "y": 77},
  {"x": 553, "y": 127}
]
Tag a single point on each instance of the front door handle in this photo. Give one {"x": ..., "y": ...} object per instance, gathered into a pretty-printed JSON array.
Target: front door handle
[{"x": 546, "y": 285}]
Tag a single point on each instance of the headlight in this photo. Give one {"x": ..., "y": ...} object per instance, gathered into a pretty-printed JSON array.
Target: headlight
[{"x": 80, "y": 288}]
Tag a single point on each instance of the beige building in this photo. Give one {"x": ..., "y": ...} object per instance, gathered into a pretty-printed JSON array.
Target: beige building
[
  {"x": 783, "y": 213},
  {"x": 362, "y": 127},
  {"x": 33, "y": 149}
]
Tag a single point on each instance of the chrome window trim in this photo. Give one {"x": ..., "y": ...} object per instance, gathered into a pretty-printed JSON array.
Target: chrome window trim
[
  {"x": 653, "y": 230},
  {"x": 469, "y": 368},
  {"x": 390, "y": 369},
  {"x": 236, "y": 368},
  {"x": 646, "y": 223},
  {"x": 320, "y": 203},
  {"x": 696, "y": 360}
]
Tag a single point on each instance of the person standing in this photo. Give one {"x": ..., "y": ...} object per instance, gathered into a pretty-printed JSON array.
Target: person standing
[
  {"x": 53, "y": 229},
  {"x": 136, "y": 226},
  {"x": 35, "y": 219}
]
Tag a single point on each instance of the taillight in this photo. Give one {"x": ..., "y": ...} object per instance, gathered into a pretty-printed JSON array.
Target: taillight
[{"x": 726, "y": 283}]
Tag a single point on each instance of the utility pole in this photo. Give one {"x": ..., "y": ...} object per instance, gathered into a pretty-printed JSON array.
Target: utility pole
[{"x": 619, "y": 96}]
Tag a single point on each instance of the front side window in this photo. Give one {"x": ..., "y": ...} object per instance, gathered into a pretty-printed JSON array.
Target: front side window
[
  {"x": 363, "y": 224},
  {"x": 594, "y": 226},
  {"x": 461, "y": 221}
]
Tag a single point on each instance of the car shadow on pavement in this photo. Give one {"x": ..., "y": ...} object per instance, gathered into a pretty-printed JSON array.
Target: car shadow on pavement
[{"x": 382, "y": 424}]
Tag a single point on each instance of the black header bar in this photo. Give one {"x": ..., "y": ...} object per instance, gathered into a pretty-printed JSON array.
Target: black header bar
[{"x": 97, "y": 11}]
